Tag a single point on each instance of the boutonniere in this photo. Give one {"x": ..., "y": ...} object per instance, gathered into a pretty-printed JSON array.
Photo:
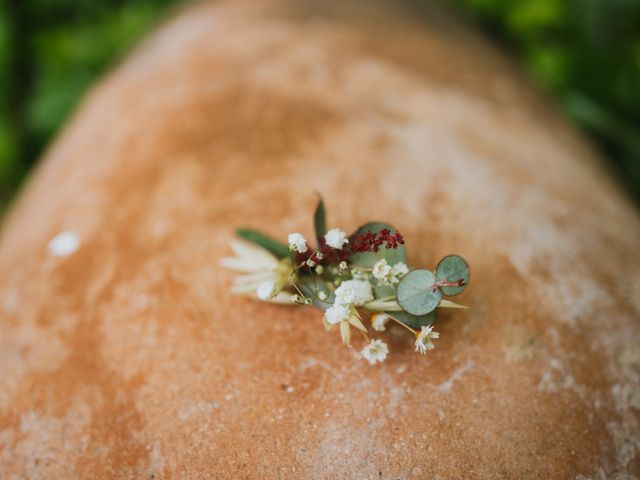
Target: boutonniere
[{"x": 350, "y": 278}]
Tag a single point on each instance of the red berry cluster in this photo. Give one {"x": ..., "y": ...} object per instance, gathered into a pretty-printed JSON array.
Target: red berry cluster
[
  {"x": 362, "y": 243},
  {"x": 371, "y": 242}
]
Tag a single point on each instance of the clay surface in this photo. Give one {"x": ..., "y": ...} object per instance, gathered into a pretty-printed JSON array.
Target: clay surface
[{"x": 127, "y": 358}]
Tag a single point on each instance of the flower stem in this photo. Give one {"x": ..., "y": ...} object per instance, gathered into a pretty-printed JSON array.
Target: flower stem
[{"x": 404, "y": 325}]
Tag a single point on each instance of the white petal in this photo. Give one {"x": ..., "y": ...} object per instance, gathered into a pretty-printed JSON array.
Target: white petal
[{"x": 254, "y": 254}]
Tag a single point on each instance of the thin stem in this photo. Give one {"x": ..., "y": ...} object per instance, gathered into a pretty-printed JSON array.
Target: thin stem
[
  {"x": 446, "y": 283},
  {"x": 298, "y": 290},
  {"x": 404, "y": 325}
]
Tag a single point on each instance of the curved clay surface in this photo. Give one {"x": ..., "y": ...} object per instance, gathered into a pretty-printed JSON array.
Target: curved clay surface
[{"x": 129, "y": 359}]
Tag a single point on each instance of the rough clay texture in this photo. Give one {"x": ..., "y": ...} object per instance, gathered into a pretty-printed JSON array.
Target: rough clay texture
[{"x": 129, "y": 359}]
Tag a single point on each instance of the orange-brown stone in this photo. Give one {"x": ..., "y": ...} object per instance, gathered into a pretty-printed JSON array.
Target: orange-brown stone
[{"x": 129, "y": 358}]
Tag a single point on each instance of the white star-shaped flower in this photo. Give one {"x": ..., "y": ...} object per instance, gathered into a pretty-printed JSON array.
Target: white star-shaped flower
[{"x": 424, "y": 339}]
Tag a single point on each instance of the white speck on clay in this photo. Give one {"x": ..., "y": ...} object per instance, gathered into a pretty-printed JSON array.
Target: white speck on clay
[{"x": 63, "y": 244}]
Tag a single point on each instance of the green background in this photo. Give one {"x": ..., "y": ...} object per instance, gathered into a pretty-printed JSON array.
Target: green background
[{"x": 585, "y": 53}]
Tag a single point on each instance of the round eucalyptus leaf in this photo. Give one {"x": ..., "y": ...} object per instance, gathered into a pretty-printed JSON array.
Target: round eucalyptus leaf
[
  {"x": 452, "y": 268},
  {"x": 416, "y": 294}
]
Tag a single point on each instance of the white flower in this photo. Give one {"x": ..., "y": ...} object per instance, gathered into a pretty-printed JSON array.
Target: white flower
[
  {"x": 381, "y": 270},
  {"x": 343, "y": 266},
  {"x": 266, "y": 290},
  {"x": 379, "y": 320},
  {"x": 336, "y": 238},
  {"x": 376, "y": 351},
  {"x": 357, "y": 292},
  {"x": 322, "y": 295},
  {"x": 423, "y": 339},
  {"x": 399, "y": 270},
  {"x": 260, "y": 268},
  {"x": 389, "y": 275},
  {"x": 337, "y": 313},
  {"x": 346, "y": 316},
  {"x": 297, "y": 243}
]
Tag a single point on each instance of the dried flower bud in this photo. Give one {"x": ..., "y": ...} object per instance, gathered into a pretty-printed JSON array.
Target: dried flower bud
[
  {"x": 296, "y": 299},
  {"x": 343, "y": 267},
  {"x": 319, "y": 255},
  {"x": 319, "y": 270},
  {"x": 322, "y": 295},
  {"x": 311, "y": 263},
  {"x": 308, "y": 301}
]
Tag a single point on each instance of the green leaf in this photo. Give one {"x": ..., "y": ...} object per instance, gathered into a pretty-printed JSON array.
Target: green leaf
[
  {"x": 451, "y": 269},
  {"x": 279, "y": 249},
  {"x": 308, "y": 288},
  {"x": 416, "y": 294},
  {"x": 414, "y": 321},
  {"x": 320, "y": 220},
  {"x": 369, "y": 259}
]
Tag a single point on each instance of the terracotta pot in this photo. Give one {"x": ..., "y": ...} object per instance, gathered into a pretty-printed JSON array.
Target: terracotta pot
[{"x": 128, "y": 358}]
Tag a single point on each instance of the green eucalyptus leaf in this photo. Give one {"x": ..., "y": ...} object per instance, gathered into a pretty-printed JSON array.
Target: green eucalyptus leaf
[
  {"x": 414, "y": 321},
  {"x": 416, "y": 294},
  {"x": 451, "y": 269},
  {"x": 383, "y": 291},
  {"x": 308, "y": 288},
  {"x": 279, "y": 249},
  {"x": 320, "y": 220},
  {"x": 369, "y": 259}
]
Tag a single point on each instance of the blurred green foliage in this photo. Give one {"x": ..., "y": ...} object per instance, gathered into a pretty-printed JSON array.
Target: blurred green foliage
[
  {"x": 50, "y": 53},
  {"x": 585, "y": 52}
]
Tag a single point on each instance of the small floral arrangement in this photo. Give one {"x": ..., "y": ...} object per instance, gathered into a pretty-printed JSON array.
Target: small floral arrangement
[{"x": 347, "y": 276}]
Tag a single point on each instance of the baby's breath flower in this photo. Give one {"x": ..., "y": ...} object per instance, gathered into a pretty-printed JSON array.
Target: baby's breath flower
[
  {"x": 337, "y": 313},
  {"x": 389, "y": 275},
  {"x": 319, "y": 270},
  {"x": 322, "y": 295},
  {"x": 266, "y": 290},
  {"x": 379, "y": 321},
  {"x": 376, "y": 351},
  {"x": 311, "y": 263},
  {"x": 297, "y": 243},
  {"x": 346, "y": 316},
  {"x": 343, "y": 267},
  {"x": 356, "y": 292},
  {"x": 297, "y": 299},
  {"x": 381, "y": 270},
  {"x": 423, "y": 339},
  {"x": 336, "y": 238},
  {"x": 399, "y": 270}
]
